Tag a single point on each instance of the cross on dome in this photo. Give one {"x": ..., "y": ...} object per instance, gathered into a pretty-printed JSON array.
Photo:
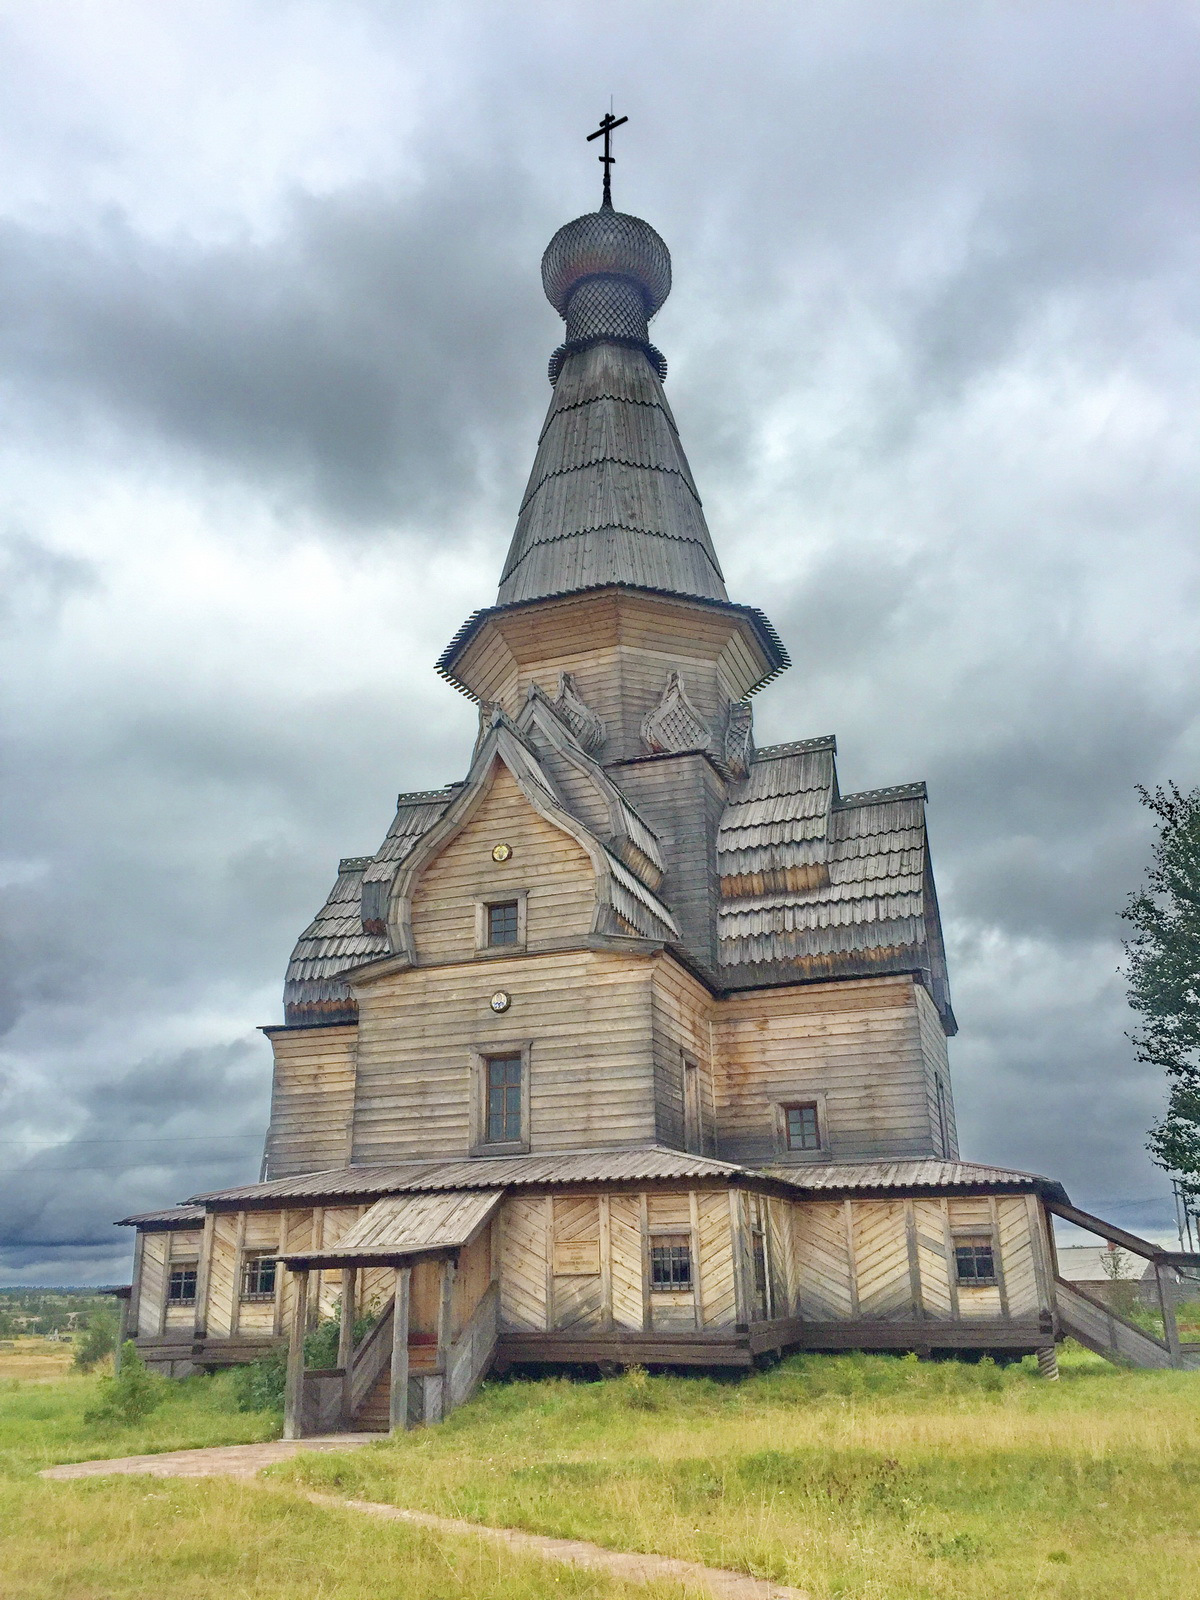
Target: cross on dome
[{"x": 607, "y": 123}]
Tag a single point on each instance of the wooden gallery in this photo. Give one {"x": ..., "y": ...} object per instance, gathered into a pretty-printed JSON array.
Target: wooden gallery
[{"x": 630, "y": 1047}]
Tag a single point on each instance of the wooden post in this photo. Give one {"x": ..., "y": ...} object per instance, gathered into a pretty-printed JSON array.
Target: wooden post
[
  {"x": 345, "y": 1351},
  {"x": 1047, "y": 1360},
  {"x": 293, "y": 1391},
  {"x": 1166, "y": 1301},
  {"x": 203, "y": 1268},
  {"x": 398, "y": 1414},
  {"x": 445, "y": 1329},
  {"x": 132, "y": 1328}
]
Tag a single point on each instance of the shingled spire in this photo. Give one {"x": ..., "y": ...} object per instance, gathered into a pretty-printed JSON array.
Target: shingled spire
[{"x": 611, "y": 499}]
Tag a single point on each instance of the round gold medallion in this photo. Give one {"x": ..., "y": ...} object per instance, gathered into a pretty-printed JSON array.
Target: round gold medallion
[
  {"x": 501, "y": 852},
  {"x": 501, "y": 1001}
]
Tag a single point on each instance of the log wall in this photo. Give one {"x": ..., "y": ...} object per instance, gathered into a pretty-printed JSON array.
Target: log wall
[
  {"x": 855, "y": 1046},
  {"x": 584, "y": 1014},
  {"x": 312, "y": 1099}
]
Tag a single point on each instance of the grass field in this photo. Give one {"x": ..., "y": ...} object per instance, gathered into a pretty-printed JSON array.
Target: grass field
[{"x": 854, "y": 1478}]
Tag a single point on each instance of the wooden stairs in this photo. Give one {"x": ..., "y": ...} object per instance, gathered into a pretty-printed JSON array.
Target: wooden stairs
[{"x": 1099, "y": 1328}]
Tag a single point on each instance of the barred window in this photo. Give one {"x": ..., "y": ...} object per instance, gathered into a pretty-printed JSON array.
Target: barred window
[
  {"x": 502, "y": 923},
  {"x": 671, "y": 1262},
  {"x": 258, "y": 1278},
  {"x": 802, "y": 1129},
  {"x": 974, "y": 1260},
  {"x": 503, "y": 1099},
  {"x": 181, "y": 1286}
]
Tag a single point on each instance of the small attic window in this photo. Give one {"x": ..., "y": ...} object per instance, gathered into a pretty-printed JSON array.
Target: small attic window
[
  {"x": 500, "y": 922},
  {"x": 503, "y": 922}
]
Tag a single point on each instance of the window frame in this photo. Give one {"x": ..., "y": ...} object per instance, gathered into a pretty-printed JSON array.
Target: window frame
[
  {"x": 976, "y": 1239},
  {"x": 672, "y": 1239},
  {"x": 783, "y": 1104},
  {"x": 481, "y": 1055},
  {"x": 182, "y": 1269},
  {"x": 500, "y": 897},
  {"x": 252, "y": 1259}
]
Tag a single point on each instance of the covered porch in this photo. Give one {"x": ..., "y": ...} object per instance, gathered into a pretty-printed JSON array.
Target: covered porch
[{"x": 394, "y": 1377}]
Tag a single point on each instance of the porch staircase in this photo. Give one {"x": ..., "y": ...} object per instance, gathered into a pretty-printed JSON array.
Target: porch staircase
[
  {"x": 360, "y": 1398},
  {"x": 1099, "y": 1328}
]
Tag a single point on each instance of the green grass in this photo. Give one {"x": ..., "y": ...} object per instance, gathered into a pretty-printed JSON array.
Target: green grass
[
  {"x": 869, "y": 1477},
  {"x": 855, "y": 1478},
  {"x": 142, "y": 1538}
]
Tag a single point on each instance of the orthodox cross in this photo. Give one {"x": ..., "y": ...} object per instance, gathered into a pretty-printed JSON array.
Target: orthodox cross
[{"x": 607, "y": 123}]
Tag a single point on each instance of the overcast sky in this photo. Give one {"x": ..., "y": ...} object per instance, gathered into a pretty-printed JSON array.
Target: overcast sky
[{"x": 272, "y": 367}]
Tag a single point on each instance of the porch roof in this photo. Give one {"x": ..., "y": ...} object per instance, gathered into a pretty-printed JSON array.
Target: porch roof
[{"x": 401, "y": 1227}]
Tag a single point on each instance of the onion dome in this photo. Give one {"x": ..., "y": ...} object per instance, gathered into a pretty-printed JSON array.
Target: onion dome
[{"x": 606, "y": 274}]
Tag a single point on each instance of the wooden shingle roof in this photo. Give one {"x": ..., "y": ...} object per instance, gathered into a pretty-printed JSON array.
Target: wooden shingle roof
[
  {"x": 611, "y": 497},
  {"x": 816, "y": 884}
]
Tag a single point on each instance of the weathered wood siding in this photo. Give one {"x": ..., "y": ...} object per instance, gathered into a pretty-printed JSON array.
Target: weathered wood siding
[
  {"x": 620, "y": 647},
  {"x": 524, "y": 1258},
  {"x": 585, "y": 1015},
  {"x": 153, "y": 1284},
  {"x": 547, "y": 863},
  {"x": 682, "y": 1021},
  {"x": 312, "y": 1099},
  {"x": 937, "y": 1071},
  {"x": 893, "y": 1260},
  {"x": 855, "y": 1046}
]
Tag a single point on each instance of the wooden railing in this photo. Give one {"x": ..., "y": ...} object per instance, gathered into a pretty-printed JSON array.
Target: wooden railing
[
  {"x": 471, "y": 1353},
  {"x": 368, "y": 1361}
]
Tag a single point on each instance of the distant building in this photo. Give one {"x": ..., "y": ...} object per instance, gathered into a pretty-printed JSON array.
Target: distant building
[{"x": 630, "y": 1045}]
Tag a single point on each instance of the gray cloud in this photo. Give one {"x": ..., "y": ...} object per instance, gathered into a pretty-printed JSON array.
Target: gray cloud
[{"x": 274, "y": 379}]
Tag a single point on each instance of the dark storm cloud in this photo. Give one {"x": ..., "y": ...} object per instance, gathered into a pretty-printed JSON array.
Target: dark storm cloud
[
  {"x": 363, "y": 360},
  {"x": 142, "y": 1132},
  {"x": 933, "y": 352}
]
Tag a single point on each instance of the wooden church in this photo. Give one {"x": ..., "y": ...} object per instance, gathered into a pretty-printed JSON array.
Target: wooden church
[{"x": 630, "y": 1045}]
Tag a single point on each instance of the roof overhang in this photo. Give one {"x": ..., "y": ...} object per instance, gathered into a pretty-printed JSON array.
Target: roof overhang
[{"x": 775, "y": 658}]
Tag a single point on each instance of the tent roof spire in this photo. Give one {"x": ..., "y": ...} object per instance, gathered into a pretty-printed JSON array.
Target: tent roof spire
[{"x": 611, "y": 498}]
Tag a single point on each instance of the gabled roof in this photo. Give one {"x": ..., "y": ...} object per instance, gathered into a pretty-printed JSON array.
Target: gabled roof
[
  {"x": 610, "y": 498},
  {"x": 400, "y": 1227},
  {"x": 350, "y": 930},
  {"x": 816, "y": 884}
]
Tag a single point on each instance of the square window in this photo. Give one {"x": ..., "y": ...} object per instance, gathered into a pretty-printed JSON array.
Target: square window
[
  {"x": 503, "y": 1106},
  {"x": 974, "y": 1260},
  {"x": 181, "y": 1286},
  {"x": 258, "y": 1278},
  {"x": 502, "y": 923},
  {"x": 671, "y": 1262},
  {"x": 802, "y": 1130}
]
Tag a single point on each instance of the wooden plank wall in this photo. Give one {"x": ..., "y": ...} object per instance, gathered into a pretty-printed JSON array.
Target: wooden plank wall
[
  {"x": 682, "y": 1021},
  {"x": 581, "y": 1262},
  {"x": 857, "y": 1043},
  {"x": 524, "y": 1254},
  {"x": 585, "y": 1013},
  {"x": 153, "y": 1284},
  {"x": 937, "y": 1068},
  {"x": 620, "y": 649},
  {"x": 312, "y": 1099},
  {"x": 548, "y": 863},
  {"x": 682, "y": 798},
  {"x": 893, "y": 1260}
]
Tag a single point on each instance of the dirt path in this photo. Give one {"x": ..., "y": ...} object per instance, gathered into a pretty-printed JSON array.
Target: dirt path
[
  {"x": 245, "y": 1460},
  {"x": 220, "y": 1461}
]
